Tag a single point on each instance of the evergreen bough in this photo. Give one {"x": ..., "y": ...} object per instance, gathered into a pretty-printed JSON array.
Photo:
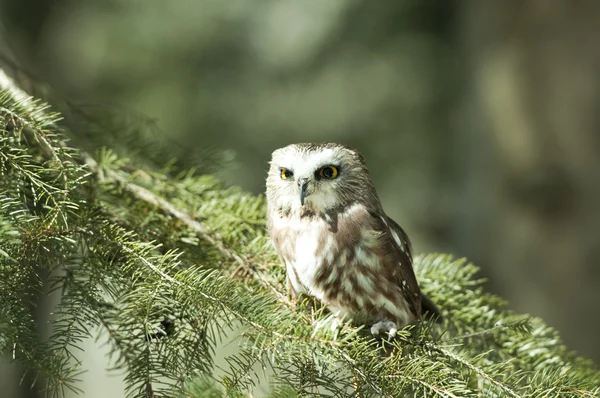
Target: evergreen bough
[{"x": 170, "y": 263}]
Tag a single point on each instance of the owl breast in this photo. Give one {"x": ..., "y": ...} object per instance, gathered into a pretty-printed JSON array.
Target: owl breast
[
  {"x": 340, "y": 259},
  {"x": 307, "y": 248}
]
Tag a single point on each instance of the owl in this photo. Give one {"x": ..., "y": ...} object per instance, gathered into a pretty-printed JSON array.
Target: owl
[{"x": 327, "y": 224}]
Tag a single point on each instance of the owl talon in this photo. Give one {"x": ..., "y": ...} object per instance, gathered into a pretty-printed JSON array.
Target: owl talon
[{"x": 387, "y": 326}]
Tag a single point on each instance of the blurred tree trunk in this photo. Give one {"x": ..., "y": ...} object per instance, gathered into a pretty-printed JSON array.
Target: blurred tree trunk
[{"x": 531, "y": 112}]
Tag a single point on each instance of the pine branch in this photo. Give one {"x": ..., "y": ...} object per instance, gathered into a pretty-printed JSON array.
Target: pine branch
[{"x": 168, "y": 265}]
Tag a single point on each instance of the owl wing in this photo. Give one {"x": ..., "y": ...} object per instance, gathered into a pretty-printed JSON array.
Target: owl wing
[{"x": 401, "y": 252}]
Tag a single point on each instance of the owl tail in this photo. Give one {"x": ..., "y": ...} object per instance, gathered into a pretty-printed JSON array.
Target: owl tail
[{"x": 430, "y": 310}]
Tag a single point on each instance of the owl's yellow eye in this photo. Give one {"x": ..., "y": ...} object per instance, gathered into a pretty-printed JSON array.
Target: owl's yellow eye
[
  {"x": 329, "y": 172},
  {"x": 285, "y": 174}
]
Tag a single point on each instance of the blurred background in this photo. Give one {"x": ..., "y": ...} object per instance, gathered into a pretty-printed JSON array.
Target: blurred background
[{"x": 478, "y": 119}]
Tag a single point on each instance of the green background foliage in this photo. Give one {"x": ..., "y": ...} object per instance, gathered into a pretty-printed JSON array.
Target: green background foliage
[
  {"x": 478, "y": 120},
  {"x": 167, "y": 264}
]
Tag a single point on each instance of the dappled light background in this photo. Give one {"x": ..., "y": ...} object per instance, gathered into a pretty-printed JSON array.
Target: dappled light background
[{"x": 478, "y": 119}]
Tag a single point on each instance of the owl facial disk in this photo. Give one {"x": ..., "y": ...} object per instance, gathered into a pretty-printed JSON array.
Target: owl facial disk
[{"x": 322, "y": 177}]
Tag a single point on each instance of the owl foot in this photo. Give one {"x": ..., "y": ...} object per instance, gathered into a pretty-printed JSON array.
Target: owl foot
[{"x": 387, "y": 326}]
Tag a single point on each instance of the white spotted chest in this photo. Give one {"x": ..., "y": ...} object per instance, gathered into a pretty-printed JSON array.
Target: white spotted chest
[
  {"x": 310, "y": 245},
  {"x": 300, "y": 251}
]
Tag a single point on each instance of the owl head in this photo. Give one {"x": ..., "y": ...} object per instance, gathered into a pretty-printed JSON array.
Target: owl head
[{"x": 316, "y": 178}]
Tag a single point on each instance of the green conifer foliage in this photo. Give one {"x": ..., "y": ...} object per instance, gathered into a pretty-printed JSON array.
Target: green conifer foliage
[{"x": 169, "y": 264}]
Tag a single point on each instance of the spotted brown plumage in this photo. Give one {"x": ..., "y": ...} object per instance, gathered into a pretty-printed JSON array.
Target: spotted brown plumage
[{"x": 327, "y": 224}]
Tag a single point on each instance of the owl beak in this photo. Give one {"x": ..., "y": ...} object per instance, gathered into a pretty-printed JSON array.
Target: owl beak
[{"x": 303, "y": 184}]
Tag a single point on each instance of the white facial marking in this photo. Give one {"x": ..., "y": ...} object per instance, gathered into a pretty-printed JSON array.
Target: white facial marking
[{"x": 322, "y": 194}]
